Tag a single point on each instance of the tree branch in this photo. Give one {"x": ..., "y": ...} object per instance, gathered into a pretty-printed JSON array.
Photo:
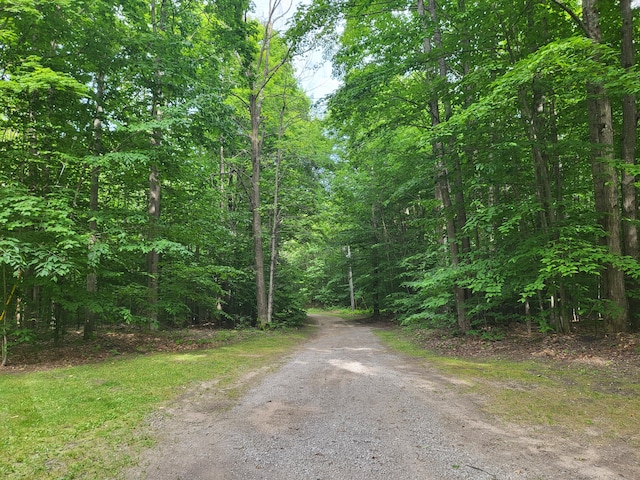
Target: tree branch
[{"x": 573, "y": 15}]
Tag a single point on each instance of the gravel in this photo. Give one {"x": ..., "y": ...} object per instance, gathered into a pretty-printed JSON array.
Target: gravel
[{"x": 345, "y": 407}]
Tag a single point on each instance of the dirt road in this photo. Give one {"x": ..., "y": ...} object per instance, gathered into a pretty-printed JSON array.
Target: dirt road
[{"x": 345, "y": 407}]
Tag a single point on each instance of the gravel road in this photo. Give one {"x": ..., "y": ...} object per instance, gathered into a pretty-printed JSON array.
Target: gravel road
[{"x": 346, "y": 407}]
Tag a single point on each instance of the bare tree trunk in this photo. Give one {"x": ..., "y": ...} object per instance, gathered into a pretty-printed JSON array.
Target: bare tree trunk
[
  {"x": 158, "y": 21},
  {"x": 272, "y": 270},
  {"x": 255, "y": 106},
  {"x": 461, "y": 213},
  {"x": 153, "y": 257},
  {"x": 605, "y": 178},
  {"x": 629, "y": 132},
  {"x": 352, "y": 295},
  {"x": 262, "y": 76},
  {"x": 275, "y": 225},
  {"x": 443, "y": 187},
  {"x": 3, "y": 316},
  {"x": 375, "y": 261},
  {"x": 92, "y": 276},
  {"x": 224, "y": 203}
]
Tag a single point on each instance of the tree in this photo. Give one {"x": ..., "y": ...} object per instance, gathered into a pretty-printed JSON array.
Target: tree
[
  {"x": 439, "y": 151},
  {"x": 628, "y": 153},
  {"x": 628, "y": 142},
  {"x": 260, "y": 73},
  {"x": 605, "y": 177}
]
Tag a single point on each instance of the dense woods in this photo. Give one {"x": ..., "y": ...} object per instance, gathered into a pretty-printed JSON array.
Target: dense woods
[
  {"x": 160, "y": 165},
  {"x": 487, "y": 159},
  {"x": 133, "y": 165}
]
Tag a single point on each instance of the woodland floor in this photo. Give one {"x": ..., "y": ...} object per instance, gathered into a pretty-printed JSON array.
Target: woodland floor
[
  {"x": 621, "y": 351},
  {"x": 114, "y": 342}
]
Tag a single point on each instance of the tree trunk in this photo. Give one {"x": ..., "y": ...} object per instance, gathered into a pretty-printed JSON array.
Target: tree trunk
[
  {"x": 92, "y": 276},
  {"x": 255, "y": 106},
  {"x": 443, "y": 189},
  {"x": 158, "y": 21},
  {"x": 275, "y": 226},
  {"x": 352, "y": 295},
  {"x": 532, "y": 116},
  {"x": 536, "y": 112},
  {"x": 272, "y": 271},
  {"x": 375, "y": 262},
  {"x": 629, "y": 132},
  {"x": 224, "y": 203},
  {"x": 263, "y": 75},
  {"x": 153, "y": 257},
  {"x": 3, "y": 316},
  {"x": 461, "y": 212},
  {"x": 605, "y": 178}
]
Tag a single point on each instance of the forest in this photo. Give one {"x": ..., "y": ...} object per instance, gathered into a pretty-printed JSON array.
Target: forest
[{"x": 161, "y": 165}]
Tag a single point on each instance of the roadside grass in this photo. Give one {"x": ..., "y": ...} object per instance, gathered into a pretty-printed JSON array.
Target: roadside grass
[
  {"x": 85, "y": 421},
  {"x": 595, "y": 401}
]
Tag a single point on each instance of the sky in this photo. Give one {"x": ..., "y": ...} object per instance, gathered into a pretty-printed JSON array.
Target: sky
[{"x": 314, "y": 73}]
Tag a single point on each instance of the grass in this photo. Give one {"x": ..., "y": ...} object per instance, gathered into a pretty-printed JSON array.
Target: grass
[
  {"x": 85, "y": 422},
  {"x": 538, "y": 393}
]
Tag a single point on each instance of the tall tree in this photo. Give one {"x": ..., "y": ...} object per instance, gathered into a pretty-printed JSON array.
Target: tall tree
[
  {"x": 159, "y": 12},
  {"x": 92, "y": 276},
  {"x": 439, "y": 150},
  {"x": 606, "y": 180},
  {"x": 629, "y": 133},
  {"x": 260, "y": 75},
  {"x": 628, "y": 141}
]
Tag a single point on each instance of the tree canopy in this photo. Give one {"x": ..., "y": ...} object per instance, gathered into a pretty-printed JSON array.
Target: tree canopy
[
  {"x": 161, "y": 165},
  {"x": 125, "y": 164},
  {"x": 487, "y": 158}
]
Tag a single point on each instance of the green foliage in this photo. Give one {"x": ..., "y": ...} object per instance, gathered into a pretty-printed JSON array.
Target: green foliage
[
  {"x": 489, "y": 335},
  {"x": 37, "y": 233},
  {"x": 430, "y": 299},
  {"x": 21, "y": 335},
  {"x": 97, "y": 95},
  {"x": 509, "y": 141}
]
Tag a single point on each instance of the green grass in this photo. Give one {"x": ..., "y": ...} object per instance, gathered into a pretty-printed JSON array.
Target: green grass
[
  {"x": 85, "y": 422},
  {"x": 539, "y": 393}
]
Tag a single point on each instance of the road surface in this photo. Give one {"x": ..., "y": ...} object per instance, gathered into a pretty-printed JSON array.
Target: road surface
[{"x": 346, "y": 407}]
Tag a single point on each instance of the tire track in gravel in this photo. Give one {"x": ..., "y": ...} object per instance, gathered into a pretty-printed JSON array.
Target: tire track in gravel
[{"x": 345, "y": 407}]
